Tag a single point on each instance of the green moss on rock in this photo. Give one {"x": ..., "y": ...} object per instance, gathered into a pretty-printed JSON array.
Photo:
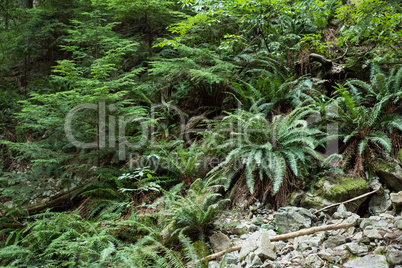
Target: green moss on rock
[
  {"x": 346, "y": 188},
  {"x": 382, "y": 165}
]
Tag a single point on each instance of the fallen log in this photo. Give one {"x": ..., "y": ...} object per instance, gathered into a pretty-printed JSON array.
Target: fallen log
[
  {"x": 283, "y": 237},
  {"x": 56, "y": 201}
]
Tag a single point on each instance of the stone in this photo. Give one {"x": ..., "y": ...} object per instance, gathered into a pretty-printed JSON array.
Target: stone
[
  {"x": 327, "y": 254},
  {"x": 241, "y": 229},
  {"x": 232, "y": 257},
  {"x": 268, "y": 264},
  {"x": 334, "y": 241},
  {"x": 375, "y": 221},
  {"x": 213, "y": 264},
  {"x": 313, "y": 201},
  {"x": 390, "y": 173},
  {"x": 295, "y": 198},
  {"x": 394, "y": 254},
  {"x": 290, "y": 219},
  {"x": 258, "y": 221},
  {"x": 396, "y": 199},
  {"x": 368, "y": 261},
  {"x": 259, "y": 245},
  {"x": 380, "y": 203},
  {"x": 357, "y": 249},
  {"x": 219, "y": 242},
  {"x": 313, "y": 261},
  {"x": 335, "y": 190},
  {"x": 372, "y": 233},
  {"x": 304, "y": 242},
  {"x": 398, "y": 222}
]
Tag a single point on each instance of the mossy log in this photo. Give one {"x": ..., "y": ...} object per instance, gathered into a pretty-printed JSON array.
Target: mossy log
[{"x": 58, "y": 201}]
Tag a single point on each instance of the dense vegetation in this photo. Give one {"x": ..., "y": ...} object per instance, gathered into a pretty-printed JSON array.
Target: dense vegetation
[{"x": 127, "y": 127}]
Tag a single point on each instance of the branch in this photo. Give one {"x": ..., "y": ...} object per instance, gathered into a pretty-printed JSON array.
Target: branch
[
  {"x": 283, "y": 237},
  {"x": 347, "y": 201}
]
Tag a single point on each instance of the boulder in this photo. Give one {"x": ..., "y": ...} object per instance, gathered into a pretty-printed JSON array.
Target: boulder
[
  {"x": 219, "y": 242},
  {"x": 290, "y": 219},
  {"x": 357, "y": 249},
  {"x": 396, "y": 199},
  {"x": 331, "y": 190},
  {"x": 380, "y": 203},
  {"x": 368, "y": 261},
  {"x": 258, "y": 244},
  {"x": 390, "y": 173},
  {"x": 394, "y": 254}
]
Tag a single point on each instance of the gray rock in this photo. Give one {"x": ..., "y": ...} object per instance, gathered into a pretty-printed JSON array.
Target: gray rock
[
  {"x": 368, "y": 261},
  {"x": 327, "y": 254},
  {"x": 398, "y": 222},
  {"x": 308, "y": 241},
  {"x": 260, "y": 245},
  {"x": 380, "y": 203},
  {"x": 357, "y": 249},
  {"x": 213, "y": 264},
  {"x": 313, "y": 261},
  {"x": 295, "y": 198},
  {"x": 394, "y": 254},
  {"x": 241, "y": 228},
  {"x": 290, "y": 219},
  {"x": 258, "y": 221},
  {"x": 232, "y": 257},
  {"x": 396, "y": 199},
  {"x": 376, "y": 221},
  {"x": 390, "y": 173},
  {"x": 372, "y": 233},
  {"x": 334, "y": 241},
  {"x": 268, "y": 264},
  {"x": 219, "y": 242}
]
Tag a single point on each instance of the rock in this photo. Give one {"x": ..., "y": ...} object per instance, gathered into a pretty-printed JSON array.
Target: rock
[
  {"x": 357, "y": 249},
  {"x": 232, "y": 257},
  {"x": 213, "y": 264},
  {"x": 295, "y": 198},
  {"x": 380, "y": 203},
  {"x": 259, "y": 245},
  {"x": 219, "y": 242},
  {"x": 376, "y": 185},
  {"x": 394, "y": 254},
  {"x": 372, "y": 233},
  {"x": 341, "y": 212},
  {"x": 241, "y": 229},
  {"x": 334, "y": 241},
  {"x": 327, "y": 254},
  {"x": 290, "y": 219},
  {"x": 313, "y": 261},
  {"x": 258, "y": 221},
  {"x": 335, "y": 190},
  {"x": 390, "y": 173},
  {"x": 368, "y": 261},
  {"x": 375, "y": 221},
  {"x": 308, "y": 241},
  {"x": 396, "y": 199},
  {"x": 398, "y": 222},
  {"x": 314, "y": 201},
  {"x": 268, "y": 264}
]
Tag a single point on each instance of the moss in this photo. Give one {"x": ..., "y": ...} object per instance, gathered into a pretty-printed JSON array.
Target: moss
[
  {"x": 400, "y": 155},
  {"x": 382, "y": 165},
  {"x": 346, "y": 187}
]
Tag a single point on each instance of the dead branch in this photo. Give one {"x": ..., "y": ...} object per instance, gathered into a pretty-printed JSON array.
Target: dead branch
[
  {"x": 347, "y": 201},
  {"x": 283, "y": 237}
]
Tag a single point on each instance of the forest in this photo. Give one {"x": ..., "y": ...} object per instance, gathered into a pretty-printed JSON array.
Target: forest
[{"x": 131, "y": 129}]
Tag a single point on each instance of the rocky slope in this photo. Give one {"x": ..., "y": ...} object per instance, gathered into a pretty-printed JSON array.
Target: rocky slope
[{"x": 373, "y": 241}]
